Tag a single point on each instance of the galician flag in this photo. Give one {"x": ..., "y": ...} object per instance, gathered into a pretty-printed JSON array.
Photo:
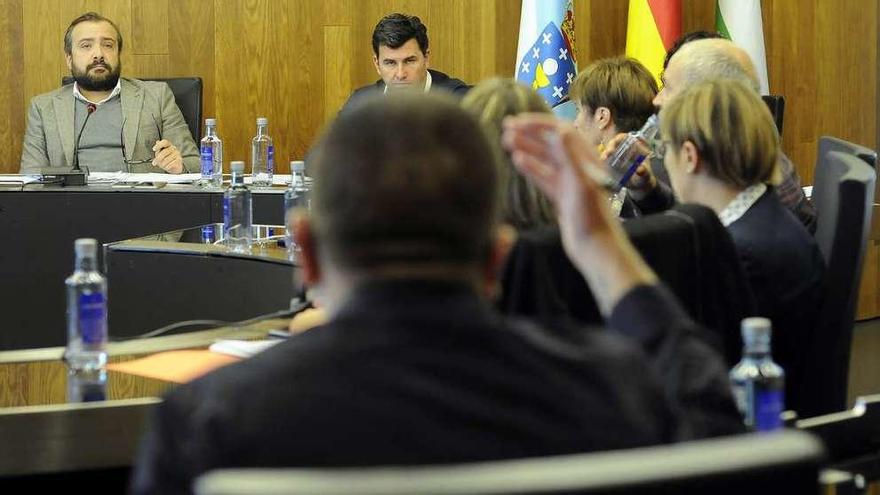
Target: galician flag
[
  {"x": 545, "y": 53},
  {"x": 740, "y": 21},
  {"x": 652, "y": 27}
]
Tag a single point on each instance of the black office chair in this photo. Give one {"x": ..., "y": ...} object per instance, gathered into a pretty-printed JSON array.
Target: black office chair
[
  {"x": 784, "y": 462},
  {"x": 188, "y": 96},
  {"x": 776, "y": 103},
  {"x": 843, "y": 193}
]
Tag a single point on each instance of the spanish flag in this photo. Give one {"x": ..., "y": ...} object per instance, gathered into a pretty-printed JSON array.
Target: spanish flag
[{"x": 652, "y": 28}]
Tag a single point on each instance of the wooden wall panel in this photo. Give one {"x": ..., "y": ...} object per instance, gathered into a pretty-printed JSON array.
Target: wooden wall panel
[
  {"x": 11, "y": 87},
  {"x": 150, "y": 32},
  {"x": 337, "y": 68},
  {"x": 191, "y": 48},
  {"x": 42, "y": 54},
  {"x": 506, "y": 36},
  {"x": 607, "y": 30}
]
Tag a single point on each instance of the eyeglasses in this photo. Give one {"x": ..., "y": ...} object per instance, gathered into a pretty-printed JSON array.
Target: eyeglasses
[{"x": 125, "y": 159}]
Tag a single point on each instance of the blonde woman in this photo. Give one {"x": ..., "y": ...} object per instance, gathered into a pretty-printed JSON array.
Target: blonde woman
[
  {"x": 721, "y": 148},
  {"x": 524, "y": 207}
]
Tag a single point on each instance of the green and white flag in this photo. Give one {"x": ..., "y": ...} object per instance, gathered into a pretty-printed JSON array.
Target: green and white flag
[{"x": 740, "y": 21}]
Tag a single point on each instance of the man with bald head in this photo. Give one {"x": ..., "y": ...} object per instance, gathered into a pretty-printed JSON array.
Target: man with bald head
[{"x": 698, "y": 61}]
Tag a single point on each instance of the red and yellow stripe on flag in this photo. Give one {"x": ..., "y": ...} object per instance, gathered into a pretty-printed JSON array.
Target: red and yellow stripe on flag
[{"x": 652, "y": 28}]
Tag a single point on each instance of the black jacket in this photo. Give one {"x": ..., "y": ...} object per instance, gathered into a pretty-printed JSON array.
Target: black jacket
[
  {"x": 439, "y": 82},
  {"x": 426, "y": 372},
  {"x": 786, "y": 271}
]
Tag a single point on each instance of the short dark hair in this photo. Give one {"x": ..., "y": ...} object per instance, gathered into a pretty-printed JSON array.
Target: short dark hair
[
  {"x": 685, "y": 39},
  {"x": 622, "y": 85},
  {"x": 406, "y": 180},
  {"x": 394, "y": 30},
  {"x": 88, "y": 17}
]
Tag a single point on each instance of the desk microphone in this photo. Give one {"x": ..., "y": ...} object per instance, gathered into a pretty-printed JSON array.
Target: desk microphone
[
  {"x": 90, "y": 109},
  {"x": 74, "y": 176}
]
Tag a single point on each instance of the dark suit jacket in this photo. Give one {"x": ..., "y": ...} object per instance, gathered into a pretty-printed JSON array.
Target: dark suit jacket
[
  {"x": 702, "y": 270},
  {"x": 785, "y": 269},
  {"x": 439, "y": 82},
  {"x": 425, "y": 372}
]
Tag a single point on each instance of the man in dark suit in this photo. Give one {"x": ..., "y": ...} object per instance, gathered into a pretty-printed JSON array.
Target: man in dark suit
[
  {"x": 414, "y": 366},
  {"x": 401, "y": 57}
]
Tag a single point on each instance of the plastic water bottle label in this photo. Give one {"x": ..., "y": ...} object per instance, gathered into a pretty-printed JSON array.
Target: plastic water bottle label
[
  {"x": 208, "y": 234},
  {"x": 768, "y": 408},
  {"x": 207, "y": 160},
  {"x": 270, "y": 159},
  {"x": 92, "y": 317}
]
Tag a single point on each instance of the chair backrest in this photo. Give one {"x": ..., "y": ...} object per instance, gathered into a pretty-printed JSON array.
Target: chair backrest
[
  {"x": 786, "y": 462},
  {"x": 829, "y": 143},
  {"x": 843, "y": 193},
  {"x": 188, "y": 96},
  {"x": 848, "y": 434},
  {"x": 776, "y": 103}
]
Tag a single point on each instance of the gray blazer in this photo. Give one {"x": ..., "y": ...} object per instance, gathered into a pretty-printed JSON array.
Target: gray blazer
[{"x": 49, "y": 138}]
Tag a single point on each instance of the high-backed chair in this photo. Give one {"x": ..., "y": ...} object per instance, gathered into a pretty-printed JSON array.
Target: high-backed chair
[
  {"x": 188, "y": 96},
  {"x": 786, "y": 462},
  {"x": 776, "y": 104},
  {"x": 843, "y": 193}
]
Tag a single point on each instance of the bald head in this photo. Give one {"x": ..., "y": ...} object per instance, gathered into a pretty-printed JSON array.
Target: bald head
[{"x": 704, "y": 60}]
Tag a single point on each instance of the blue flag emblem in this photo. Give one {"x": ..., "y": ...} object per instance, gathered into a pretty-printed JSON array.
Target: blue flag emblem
[{"x": 548, "y": 66}]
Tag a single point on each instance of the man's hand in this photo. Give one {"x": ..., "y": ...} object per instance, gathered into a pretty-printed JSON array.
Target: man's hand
[
  {"x": 642, "y": 181},
  {"x": 167, "y": 157},
  {"x": 554, "y": 156}
]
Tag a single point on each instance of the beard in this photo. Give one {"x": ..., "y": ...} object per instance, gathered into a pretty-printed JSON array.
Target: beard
[{"x": 104, "y": 82}]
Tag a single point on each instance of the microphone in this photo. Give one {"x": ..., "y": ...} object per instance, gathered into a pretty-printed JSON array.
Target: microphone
[
  {"x": 90, "y": 109},
  {"x": 74, "y": 176}
]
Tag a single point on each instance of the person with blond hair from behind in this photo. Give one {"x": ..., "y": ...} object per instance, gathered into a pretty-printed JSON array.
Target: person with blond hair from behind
[{"x": 523, "y": 206}]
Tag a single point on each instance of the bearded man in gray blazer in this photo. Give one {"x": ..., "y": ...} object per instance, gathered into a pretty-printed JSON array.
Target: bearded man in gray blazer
[{"x": 132, "y": 125}]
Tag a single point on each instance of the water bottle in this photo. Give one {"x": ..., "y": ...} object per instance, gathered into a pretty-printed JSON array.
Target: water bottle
[
  {"x": 262, "y": 155},
  {"x": 758, "y": 383},
  {"x": 237, "y": 212},
  {"x": 86, "y": 385},
  {"x": 627, "y": 157},
  {"x": 212, "y": 156},
  {"x": 86, "y": 311},
  {"x": 297, "y": 195}
]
